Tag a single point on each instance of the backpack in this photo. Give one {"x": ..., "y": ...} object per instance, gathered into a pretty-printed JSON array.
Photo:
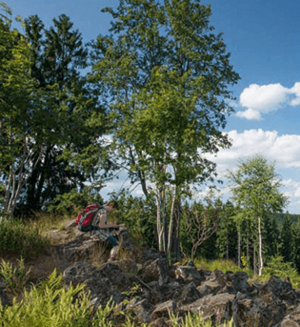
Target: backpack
[{"x": 85, "y": 218}]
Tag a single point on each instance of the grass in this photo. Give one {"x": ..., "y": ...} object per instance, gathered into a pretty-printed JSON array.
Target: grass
[
  {"x": 20, "y": 239},
  {"x": 220, "y": 264},
  {"x": 43, "y": 222}
]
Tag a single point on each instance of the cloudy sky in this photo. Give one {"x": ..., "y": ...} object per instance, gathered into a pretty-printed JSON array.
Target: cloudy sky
[{"x": 263, "y": 37}]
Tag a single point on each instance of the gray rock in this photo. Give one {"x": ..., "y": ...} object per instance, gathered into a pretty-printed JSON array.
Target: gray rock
[
  {"x": 188, "y": 274},
  {"x": 164, "y": 309},
  {"x": 157, "y": 270},
  {"x": 218, "y": 307}
]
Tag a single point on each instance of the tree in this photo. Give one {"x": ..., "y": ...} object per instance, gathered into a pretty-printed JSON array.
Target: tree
[
  {"x": 70, "y": 118},
  {"x": 16, "y": 96},
  {"x": 200, "y": 223},
  {"x": 256, "y": 187},
  {"x": 226, "y": 240},
  {"x": 166, "y": 75},
  {"x": 287, "y": 238}
]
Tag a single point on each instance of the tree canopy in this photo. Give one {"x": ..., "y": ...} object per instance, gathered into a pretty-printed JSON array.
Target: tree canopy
[
  {"x": 167, "y": 76},
  {"x": 256, "y": 189}
]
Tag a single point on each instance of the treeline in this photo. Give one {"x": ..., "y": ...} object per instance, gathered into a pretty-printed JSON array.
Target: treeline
[{"x": 214, "y": 230}]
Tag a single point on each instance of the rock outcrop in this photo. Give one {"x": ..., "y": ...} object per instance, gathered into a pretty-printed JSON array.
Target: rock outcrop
[{"x": 143, "y": 284}]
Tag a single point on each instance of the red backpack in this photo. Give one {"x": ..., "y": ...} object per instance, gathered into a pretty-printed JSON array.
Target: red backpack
[{"x": 85, "y": 218}]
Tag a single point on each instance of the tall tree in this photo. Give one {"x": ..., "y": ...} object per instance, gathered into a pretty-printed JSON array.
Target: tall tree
[
  {"x": 226, "y": 233},
  {"x": 166, "y": 75},
  {"x": 68, "y": 138},
  {"x": 256, "y": 187},
  {"x": 16, "y": 96},
  {"x": 287, "y": 238}
]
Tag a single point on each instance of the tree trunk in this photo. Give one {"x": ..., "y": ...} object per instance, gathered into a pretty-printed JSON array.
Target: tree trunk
[
  {"x": 171, "y": 223},
  {"x": 260, "y": 258},
  {"x": 177, "y": 230},
  {"x": 239, "y": 248},
  {"x": 158, "y": 221},
  {"x": 254, "y": 260}
]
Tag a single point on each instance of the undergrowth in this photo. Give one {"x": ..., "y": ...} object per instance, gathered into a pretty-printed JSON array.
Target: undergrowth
[
  {"x": 53, "y": 304},
  {"x": 43, "y": 222},
  {"x": 221, "y": 264},
  {"x": 20, "y": 239}
]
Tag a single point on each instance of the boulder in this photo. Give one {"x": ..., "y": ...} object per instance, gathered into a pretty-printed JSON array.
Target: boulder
[
  {"x": 218, "y": 307},
  {"x": 103, "y": 282},
  {"x": 188, "y": 273},
  {"x": 157, "y": 270}
]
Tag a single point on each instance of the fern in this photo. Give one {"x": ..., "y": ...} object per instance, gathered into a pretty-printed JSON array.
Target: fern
[{"x": 54, "y": 305}]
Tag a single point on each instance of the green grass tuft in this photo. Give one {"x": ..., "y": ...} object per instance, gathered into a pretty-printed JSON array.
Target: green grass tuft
[{"x": 20, "y": 239}]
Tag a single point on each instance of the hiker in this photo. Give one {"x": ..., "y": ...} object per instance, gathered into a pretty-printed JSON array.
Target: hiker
[{"x": 94, "y": 219}]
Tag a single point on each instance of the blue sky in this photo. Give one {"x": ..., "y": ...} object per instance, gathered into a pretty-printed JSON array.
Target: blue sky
[{"x": 263, "y": 37}]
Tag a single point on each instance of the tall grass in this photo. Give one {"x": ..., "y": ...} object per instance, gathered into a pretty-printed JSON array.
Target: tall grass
[
  {"x": 221, "y": 264},
  {"x": 20, "y": 239},
  {"x": 43, "y": 222}
]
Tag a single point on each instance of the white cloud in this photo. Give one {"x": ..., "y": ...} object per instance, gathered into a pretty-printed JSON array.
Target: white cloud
[
  {"x": 292, "y": 188},
  {"x": 249, "y": 114},
  {"x": 296, "y": 91},
  {"x": 283, "y": 149},
  {"x": 261, "y": 99}
]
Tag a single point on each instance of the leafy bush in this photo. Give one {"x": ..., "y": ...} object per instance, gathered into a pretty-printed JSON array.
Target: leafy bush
[{"x": 20, "y": 239}]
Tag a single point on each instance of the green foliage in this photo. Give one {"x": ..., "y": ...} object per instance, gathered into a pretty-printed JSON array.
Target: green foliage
[
  {"x": 279, "y": 268},
  {"x": 256, "y": 186},
  {"x": 52, "y": 304},
  {"x": 20, "y": 239},
  {"x": 73, "y": 201},
  {"x": 14, "y": 277},
  {"x": 287, "y": 239},
  {"x": 167, "y": 77},
  {"x": 192, "y": 320},
  {"x": 226, "y": 240},
  {"x": 139, "y": 217},
  {"x": 256, "y": 190},
  {"x": 220, "y": 264}
]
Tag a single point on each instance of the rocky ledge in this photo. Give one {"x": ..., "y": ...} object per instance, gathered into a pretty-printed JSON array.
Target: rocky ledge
[{"x": 144, "y": 285}]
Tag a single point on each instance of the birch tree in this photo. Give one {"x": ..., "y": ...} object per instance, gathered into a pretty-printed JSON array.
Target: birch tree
[{"x": 256, "y": 188}]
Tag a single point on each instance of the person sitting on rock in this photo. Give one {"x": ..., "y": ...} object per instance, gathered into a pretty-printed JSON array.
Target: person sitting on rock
[{"x": 94, "y": 219}]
